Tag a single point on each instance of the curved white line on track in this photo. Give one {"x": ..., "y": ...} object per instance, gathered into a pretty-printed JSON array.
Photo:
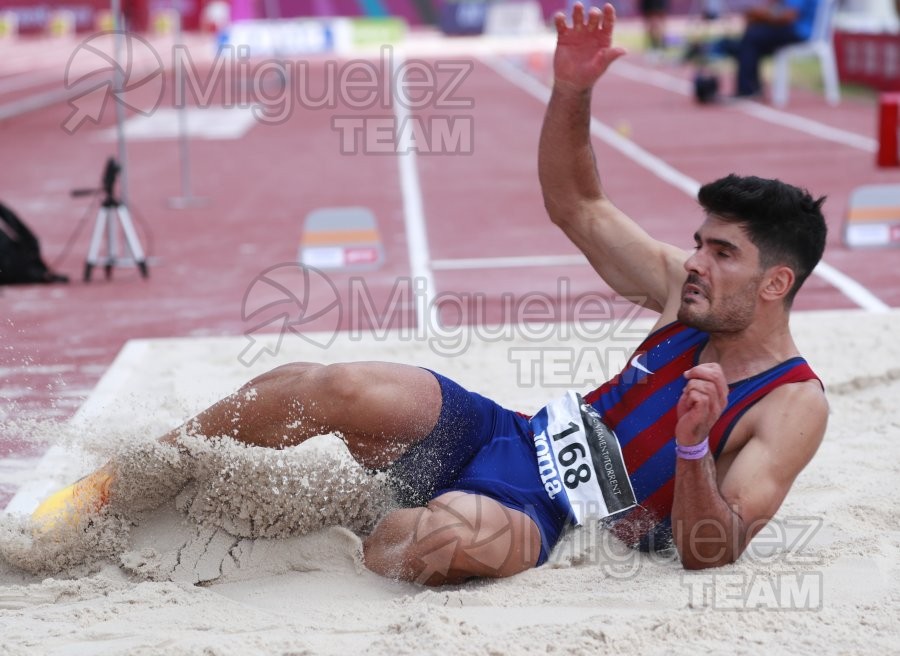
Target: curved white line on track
[
  {"x": 851, "y": 288},
  {"x": 762, "y": 112},
  {"x": 847, "y": 285}
]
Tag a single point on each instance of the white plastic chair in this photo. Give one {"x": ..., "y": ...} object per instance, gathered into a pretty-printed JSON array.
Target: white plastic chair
[{"x": 820, "y": 44}]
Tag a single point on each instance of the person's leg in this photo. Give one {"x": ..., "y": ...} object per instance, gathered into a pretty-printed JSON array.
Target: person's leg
[
  {"x": 457, "y": 536},
  {"x": 379, "y": 409},
  {"x": 724, "y": 47},
  {"x": 654, "y": 14},
  {"x": 759, "y": 41},
  {"x": 655, "y": 25}
]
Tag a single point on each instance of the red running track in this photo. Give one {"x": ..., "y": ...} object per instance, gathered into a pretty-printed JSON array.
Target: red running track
[{"x": 476, "y": 206}]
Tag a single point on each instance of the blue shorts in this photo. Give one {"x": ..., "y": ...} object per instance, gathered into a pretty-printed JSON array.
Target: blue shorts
[{"x": 477, "y": 446}]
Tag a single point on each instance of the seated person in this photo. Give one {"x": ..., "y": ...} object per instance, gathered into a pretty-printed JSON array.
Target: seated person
[{"x": 770, "y": 26}]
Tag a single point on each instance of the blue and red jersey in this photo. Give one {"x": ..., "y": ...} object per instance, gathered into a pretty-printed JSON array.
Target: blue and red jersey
[{"x": 640, "y": 403}]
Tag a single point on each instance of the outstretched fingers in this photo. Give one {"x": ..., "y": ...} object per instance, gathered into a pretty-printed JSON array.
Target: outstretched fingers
[
  {"x": 578, "y": 22},
  {"x": 578, "y": 16},
  {"x": 609, "y": 20},
  {"x": 559, "y": 19},
  {"x": 584, "y": 48},
  {"x": 594, "y": 17}
]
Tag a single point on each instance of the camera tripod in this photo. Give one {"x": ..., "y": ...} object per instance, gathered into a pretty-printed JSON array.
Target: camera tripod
[{"x": 112, "y": 213}]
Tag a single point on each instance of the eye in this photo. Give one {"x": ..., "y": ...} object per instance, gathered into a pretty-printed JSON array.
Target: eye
[{"x": 723, "y": 254}]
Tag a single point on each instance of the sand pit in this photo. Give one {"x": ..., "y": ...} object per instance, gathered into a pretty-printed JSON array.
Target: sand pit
[{"x": 239, "y": 550}]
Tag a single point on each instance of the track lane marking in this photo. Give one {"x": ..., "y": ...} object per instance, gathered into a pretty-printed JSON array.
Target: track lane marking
[
  {"x": 513, "y": 262},
  {"x": 413, "y": 210},
  {"x": 762, "y": 112},
  {"x": 851, "y": 288}
]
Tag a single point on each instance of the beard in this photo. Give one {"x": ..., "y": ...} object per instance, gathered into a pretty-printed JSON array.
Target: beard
[{"x": 732, "y": 313}]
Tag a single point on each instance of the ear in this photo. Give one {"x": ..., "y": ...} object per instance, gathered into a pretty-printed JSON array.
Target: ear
[{"x": 777, "y": 283}]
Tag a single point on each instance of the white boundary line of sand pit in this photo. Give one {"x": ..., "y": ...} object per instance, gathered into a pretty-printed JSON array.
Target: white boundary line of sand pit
[
  {"x": 58, "y": 458},
  {"x": 851, "y": 288}
]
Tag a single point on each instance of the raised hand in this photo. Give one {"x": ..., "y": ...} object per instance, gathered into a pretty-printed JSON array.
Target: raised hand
[
  {"x": 584, "y": 50},
  {"x": 702, "y": 402}
]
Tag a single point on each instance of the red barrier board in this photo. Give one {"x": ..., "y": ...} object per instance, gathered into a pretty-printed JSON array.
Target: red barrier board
[{"x": 870, "y": 59}]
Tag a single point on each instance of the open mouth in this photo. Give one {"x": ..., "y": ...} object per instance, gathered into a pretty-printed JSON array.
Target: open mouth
[{"x": 692, "y": 292}]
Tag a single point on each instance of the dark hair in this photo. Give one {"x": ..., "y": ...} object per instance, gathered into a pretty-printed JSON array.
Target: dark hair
[{"x": 784, "y": 222}]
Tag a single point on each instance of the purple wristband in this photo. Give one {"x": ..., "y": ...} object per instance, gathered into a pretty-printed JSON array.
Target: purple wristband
[{"x": 694, "y": 452}]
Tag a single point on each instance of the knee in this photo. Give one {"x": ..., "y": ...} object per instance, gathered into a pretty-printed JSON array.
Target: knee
[
  {"x": 285, "y": 385},
  {"x": 341, "y": 383},
  {"x": 290, "y": 374}
]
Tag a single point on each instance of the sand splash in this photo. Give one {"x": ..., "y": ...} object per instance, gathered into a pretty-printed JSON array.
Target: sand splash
[{"x": 225, "y": 491}]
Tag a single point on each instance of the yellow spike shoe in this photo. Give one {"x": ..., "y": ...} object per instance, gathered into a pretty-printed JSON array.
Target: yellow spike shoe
[{"x": 71, "y": 504}]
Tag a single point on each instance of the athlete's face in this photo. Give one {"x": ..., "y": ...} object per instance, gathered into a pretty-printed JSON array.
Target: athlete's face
[{"x": 724, "y": 276}]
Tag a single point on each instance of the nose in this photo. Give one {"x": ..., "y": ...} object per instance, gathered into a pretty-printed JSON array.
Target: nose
[{"x": 695, "y": 263}]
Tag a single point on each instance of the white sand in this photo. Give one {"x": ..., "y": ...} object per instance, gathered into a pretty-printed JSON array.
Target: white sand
[{"x": 223, "y": 567}]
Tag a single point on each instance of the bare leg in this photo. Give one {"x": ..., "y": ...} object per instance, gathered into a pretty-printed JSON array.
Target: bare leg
[
  {"x": 655, "y": 26},
  {"x": 456, "y": 537},
  {"x": 380, "y": 409}
]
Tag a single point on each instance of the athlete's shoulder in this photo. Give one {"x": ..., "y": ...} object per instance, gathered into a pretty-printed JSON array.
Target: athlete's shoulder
[
  {"x": 791, "y": 418},
  {"x": 803, "y": 409},
  {"x": 805, "y": 393}
]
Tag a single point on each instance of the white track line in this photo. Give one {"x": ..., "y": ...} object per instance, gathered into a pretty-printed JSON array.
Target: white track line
[
  {"x": 58, "y": 458},
  {"x": 522, "y": 261},
  {"x": 26, "y": 81},
  {"x": 762, "y": 112},
  {"x": 413, "y": 211},
  {"x": 39, "y": 101},
  {"x": 849, "y": 287}
]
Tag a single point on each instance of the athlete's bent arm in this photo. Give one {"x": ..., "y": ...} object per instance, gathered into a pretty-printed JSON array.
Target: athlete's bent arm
[
  {"x": 715, "y": 516},
  {"x": 634, "y": 264}
]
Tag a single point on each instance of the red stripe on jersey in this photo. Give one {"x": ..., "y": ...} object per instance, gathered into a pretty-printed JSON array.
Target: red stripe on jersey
[
  {"x": 648, "y": 442},
  {"x": 638, "y": 393},
  {"x": 722, "y": 428},
  {"x": 648, "y": 344}
]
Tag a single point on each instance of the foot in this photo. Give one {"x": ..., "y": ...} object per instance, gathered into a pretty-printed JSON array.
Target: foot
[{"x": 71, "y": 504}]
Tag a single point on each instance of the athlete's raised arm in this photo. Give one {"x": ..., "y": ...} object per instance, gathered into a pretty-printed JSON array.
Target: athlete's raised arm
[{"x": 634, "y": 264}]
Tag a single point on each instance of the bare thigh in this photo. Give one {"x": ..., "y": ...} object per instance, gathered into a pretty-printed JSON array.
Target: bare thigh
[{"x": 378, "y": 408}]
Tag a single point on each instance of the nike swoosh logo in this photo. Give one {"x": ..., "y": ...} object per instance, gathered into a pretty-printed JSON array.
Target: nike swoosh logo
[{"x": 635, "y": 362}]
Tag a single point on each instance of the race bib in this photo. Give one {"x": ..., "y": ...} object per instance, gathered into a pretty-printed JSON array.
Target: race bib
[{"x": 579, "y": 460}]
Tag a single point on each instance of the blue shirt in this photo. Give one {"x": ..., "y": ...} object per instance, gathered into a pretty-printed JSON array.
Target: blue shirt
[{"x": 806, "y": 10}]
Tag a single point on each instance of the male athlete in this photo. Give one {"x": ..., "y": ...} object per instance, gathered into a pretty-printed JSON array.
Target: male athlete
[{"x": 716, "y": 413}]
